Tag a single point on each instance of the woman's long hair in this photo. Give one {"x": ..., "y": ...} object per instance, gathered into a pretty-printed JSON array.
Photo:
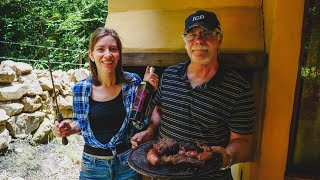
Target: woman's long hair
[{"x": 97, "y": 35}]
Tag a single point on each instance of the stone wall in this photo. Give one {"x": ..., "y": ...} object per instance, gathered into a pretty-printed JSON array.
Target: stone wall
[{"x": 27, "y": 106}]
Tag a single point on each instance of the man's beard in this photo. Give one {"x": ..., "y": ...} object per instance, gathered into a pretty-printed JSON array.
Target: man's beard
[{"x": 201, "y": 61}]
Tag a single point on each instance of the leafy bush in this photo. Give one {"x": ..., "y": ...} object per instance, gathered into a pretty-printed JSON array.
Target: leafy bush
[{"x": 67, "y": 25}]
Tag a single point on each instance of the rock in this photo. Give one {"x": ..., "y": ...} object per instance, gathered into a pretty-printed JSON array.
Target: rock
[
  {"x": 11, "y": 108},
  {"x": 66, "y": 78},
  {"x": 12, "y": 92},
  {"x": 8, "y": 63},
  {"x": 79, "y": 75},
  {"x": 45, "y": 83},
  {"x": 22, "y": 68},
  {"x": 9, "y": 127},
  {"x": 3, "y": 116},
  {"x": 2, "y": 127},
  {"x": 58, "y": 84},
  {"x": 41, "y": 73},
  {"x": 5, "y": 138},
  {"x": 32, "y": 84},
  {"x": 67, "y": 113},
  {"x": 65, "y": 103},
  {"x": 7, "y": 75},
  {"x": 25, "y": 123},
  {"x": 31, "y": 104},
  {"x": 47, "y": 106},
  {"x": 45, "y": 95},
  {"x": 42, "y": 134}
]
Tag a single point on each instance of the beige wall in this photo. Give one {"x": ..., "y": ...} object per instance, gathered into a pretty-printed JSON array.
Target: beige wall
[
  {"x": 153, "y": 25},
  {"x": 269, "y": 15},
  {"x": 283, "y": 24}
]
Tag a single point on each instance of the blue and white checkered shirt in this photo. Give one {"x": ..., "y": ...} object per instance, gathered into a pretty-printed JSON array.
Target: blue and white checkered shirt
[{"x": 81, "y": 94}]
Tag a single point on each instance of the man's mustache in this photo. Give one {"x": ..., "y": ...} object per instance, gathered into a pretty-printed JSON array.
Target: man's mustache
[{"x": 199, "y": 47}]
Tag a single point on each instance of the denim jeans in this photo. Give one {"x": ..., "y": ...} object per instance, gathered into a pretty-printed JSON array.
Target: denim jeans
[{"x": 114, "y": 168}]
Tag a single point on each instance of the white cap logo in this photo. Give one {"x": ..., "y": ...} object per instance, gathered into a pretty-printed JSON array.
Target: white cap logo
[{"x": 195, "y": 18}]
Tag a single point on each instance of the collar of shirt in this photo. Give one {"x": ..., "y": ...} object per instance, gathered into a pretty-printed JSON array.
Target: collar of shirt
[{"x": 215, "y": 80}]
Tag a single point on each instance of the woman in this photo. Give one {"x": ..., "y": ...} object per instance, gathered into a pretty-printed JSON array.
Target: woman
[{"x": 101, "y": 110}]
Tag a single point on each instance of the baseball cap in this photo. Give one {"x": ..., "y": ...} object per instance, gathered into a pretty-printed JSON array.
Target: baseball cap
[{"x": 205, "y": 19}]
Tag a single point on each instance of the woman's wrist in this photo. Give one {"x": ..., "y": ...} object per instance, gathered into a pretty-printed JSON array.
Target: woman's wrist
[{"x": 75, "y": 129}]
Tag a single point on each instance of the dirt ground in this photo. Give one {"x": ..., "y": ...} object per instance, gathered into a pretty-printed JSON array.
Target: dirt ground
[{"x": 28, "y": 161}]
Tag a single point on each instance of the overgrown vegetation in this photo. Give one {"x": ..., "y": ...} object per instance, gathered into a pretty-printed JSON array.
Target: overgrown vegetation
[
  {"x": 310, "y": 69},
  {"x": 67, "y": 24}
]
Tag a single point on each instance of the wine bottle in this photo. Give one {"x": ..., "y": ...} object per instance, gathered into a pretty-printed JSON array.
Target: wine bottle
[{"x": 141, "y": 102}]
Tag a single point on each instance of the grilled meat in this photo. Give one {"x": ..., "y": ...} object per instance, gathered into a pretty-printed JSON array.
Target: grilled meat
[
  {"x": 181, "y": 160},
  {"x": 166, "y": 146},
  {"x": 191, "y": 153},
  {"x": 205, "y": 156},
  {"x": 153, "y": 157},
  {"x": 187, "y": 146},
  {"x": 168, "y": 151}
]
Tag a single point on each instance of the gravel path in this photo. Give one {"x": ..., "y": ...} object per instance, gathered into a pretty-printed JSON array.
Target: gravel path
[{"x": 24, "y": 161}]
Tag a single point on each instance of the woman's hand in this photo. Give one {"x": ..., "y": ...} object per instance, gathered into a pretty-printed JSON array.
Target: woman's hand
[
  {"x": 62, "y": 129},
  {"x": 152, "y": 78}
]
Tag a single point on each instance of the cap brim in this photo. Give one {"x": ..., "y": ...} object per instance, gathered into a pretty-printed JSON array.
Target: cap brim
[{"x": 195, "y": 25}]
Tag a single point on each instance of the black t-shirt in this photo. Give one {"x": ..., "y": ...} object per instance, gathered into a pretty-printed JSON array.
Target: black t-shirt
[{"x": 106, "y": 118}]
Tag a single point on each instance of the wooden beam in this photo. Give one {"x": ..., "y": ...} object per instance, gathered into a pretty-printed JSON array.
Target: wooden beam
[{"x": 162, "y": 59}]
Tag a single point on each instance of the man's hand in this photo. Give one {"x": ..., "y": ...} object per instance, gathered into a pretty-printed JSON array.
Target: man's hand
[
  {"x": 141, "y": 137},
  {"x": 225, "y": 156},
  {"x": 239, "y": 149},
  {"x": 148, "y": 134}
]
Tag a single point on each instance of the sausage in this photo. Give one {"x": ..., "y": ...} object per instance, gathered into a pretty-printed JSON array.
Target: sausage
[
  {"x": 191, "y": 153},
  {"x": 153, "y": 157},
  {"x": 206, "y": 148},
  {"x": 204, "y": 156},
  {"x": 181, "y": 152}
]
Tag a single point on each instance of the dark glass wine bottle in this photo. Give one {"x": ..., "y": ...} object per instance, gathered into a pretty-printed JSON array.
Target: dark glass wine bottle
[{"x": 141, "y": 102}]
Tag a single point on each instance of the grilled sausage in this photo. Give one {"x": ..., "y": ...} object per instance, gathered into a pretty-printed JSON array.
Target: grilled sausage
[
  {"x": 204, "y": 156},
  {"x": 206, "y": 148},
  {"x": 181, "y": 152},
  {"x": 191, "y": 153},
  {"x": 153, "y": 157}
]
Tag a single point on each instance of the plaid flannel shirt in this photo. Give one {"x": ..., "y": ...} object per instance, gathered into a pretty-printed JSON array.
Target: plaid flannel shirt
[{"x": 81, "y": 93}]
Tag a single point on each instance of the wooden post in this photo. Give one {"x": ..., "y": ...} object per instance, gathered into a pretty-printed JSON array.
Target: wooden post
[{"x": 80, "y": 59}]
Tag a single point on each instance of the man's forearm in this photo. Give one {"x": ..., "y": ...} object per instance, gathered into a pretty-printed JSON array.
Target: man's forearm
[{"x": 155, "y": 119}]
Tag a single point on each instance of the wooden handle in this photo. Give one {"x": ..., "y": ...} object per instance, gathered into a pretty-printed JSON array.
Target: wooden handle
[{"x": 64, "y": 139}]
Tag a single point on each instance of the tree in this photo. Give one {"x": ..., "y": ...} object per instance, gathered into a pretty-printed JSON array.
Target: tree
[{"x": 67, "y": 24}]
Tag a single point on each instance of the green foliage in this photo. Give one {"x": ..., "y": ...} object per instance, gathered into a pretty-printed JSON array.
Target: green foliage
[
  {"x": 67, "y": 24},
  {"x": 310, "y": 69}
]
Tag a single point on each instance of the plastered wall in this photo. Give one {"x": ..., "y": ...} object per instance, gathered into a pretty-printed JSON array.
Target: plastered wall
[
  {"x": 152, "y": 25},
  {"x": 283, "y": 25}
]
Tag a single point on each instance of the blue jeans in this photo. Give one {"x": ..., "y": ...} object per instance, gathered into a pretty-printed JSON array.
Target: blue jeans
[{"x": 113, "y": 167}]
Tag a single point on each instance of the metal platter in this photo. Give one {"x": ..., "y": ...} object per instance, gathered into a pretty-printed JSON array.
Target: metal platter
[{"x": 138, "y": 162}]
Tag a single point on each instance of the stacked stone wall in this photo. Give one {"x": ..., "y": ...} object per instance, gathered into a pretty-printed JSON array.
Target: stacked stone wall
[{"x": 27, "y": 106}]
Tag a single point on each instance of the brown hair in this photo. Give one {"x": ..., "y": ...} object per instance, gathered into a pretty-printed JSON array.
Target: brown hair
[{"x": 97, "y": 35}]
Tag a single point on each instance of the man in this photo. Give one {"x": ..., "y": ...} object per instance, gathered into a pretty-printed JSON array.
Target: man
[{"x": 200, "y": 101}]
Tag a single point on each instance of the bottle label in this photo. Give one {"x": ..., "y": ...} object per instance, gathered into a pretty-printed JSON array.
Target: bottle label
[{"x": 140, "y": 99}]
